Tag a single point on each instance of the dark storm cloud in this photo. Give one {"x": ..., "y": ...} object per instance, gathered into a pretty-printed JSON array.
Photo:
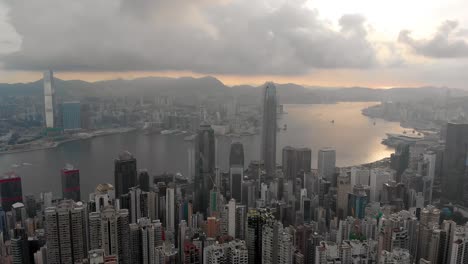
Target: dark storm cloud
[
  {"x": 205, "y": 36},
  {"x": 448, "y": 42}
]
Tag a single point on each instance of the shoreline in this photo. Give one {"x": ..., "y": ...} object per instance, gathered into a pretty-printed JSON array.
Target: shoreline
[{"x": 58, "y": 143}]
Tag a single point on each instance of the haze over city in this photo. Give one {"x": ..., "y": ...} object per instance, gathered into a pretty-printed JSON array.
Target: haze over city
[
  {"x": 366, "y": 43},
  {"x": 233, "y": 132}
]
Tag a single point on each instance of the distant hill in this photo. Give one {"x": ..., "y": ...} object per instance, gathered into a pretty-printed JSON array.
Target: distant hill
[{"x": 191, "y": 90}]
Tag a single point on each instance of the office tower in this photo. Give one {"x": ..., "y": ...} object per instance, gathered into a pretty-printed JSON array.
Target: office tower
[
  {"x": 10, "y": 191},
  {"x": 378, "y": 177},
  {"x": 170, "y": 208},
  {"x": 205, "y": 168},
  {"x": 256, "y": 219},
  {"x": 71, "y": 115},
  {"x": 143, "y": 180},
  {"x": 71, "y": 183},
  {"x": 326, "y": 163},
  {"x": 296, "y": 162},
  {"x": 455, "y": 181},
  {"x": 393, "y": 194},
  {"x": 269, "y": 127},
  {"x": 31, "y": 205},
  {"x": 357, "y": 202},
  {"x": 343, "y": 188},
  {"x": 125, "y": 173},
  {"x": 50, "y": 111},
  {"x": 399, "y": 161},
  {"x": 236, "y": 170},
  {"x": 66, "y": 233}
]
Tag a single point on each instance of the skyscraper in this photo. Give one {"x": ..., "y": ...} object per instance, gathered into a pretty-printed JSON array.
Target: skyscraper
[
  {"x": 205, "y": 167},
  {"x": 143, "y": 180},
  {"x": 326, "y": 163},
  {"x": 170, "y": 208},
  {"x": 66, "y": 232},
  {"x": 49, "y": 100},
  {"x": 125, "y": 173},
  {"x": 10, "y": 191},
  {"x": 71, "y": 115},
  {"x": 269, "y": 130},
  {"x": 455, "y": 176},
  {"x": 295, "y": 161},
  {"x": 236, "y": 170},
  {"x": 71, "y": 183}
]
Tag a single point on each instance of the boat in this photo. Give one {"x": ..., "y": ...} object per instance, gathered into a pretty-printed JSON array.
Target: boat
[{"x": 167, "y": 132}]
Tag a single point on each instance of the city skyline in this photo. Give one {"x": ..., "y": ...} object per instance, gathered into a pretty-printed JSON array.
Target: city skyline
[{"x": 233, "y": 132}]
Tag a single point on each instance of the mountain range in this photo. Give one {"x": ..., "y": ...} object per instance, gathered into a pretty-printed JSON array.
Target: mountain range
[{"x": 190, "y": 90}]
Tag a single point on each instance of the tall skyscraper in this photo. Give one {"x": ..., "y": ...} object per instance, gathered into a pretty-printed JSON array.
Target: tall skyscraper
[
  {"x": 71, "y": 115},
  {"x": 170, "y": 208},
  {"x": 269, "y": 130},
  {"x": 71, "y": 183},
  {"x": 125, "y": 173},
  {"x": 295, "y": 162},
  {"x": 326, "y": 163},
  {"x": 236, "y": 170},
  {"x": 144, "y": 180},
  {"x": 205, "y": 168},
  {"x": 455, "y": 176},
  {"x": 50, "y": 111},
  {"x": 10, "y": 191}
]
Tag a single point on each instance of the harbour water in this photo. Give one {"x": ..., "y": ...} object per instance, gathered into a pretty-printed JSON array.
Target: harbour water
[{"x": 356, "y": 138}]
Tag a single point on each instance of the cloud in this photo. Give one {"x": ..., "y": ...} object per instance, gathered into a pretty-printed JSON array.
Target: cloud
[
  {"x": 204, "y": 36},
  {"x": 448, "y": 42}
]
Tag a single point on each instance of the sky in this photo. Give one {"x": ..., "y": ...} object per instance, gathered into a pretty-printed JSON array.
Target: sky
[{"x": 372, "y": 43}]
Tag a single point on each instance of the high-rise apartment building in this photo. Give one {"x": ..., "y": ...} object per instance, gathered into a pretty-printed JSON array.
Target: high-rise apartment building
[
  {"x": 66, "y": 232},
  {"x": 269, "y": 127}
]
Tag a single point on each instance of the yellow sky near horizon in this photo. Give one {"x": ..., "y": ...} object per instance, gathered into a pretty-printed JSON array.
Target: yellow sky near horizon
[{"x": 325, "y": 78}]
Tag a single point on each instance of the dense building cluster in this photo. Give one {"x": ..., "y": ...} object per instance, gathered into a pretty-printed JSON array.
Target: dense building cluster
[{"x": 388, "y": 212}]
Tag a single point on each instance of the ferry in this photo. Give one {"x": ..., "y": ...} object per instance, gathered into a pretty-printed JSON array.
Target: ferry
[{"x": 394, "y": 140}]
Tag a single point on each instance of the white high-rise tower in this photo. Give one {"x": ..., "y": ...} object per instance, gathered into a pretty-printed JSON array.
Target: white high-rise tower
[{"x": 49, "y": 99}]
